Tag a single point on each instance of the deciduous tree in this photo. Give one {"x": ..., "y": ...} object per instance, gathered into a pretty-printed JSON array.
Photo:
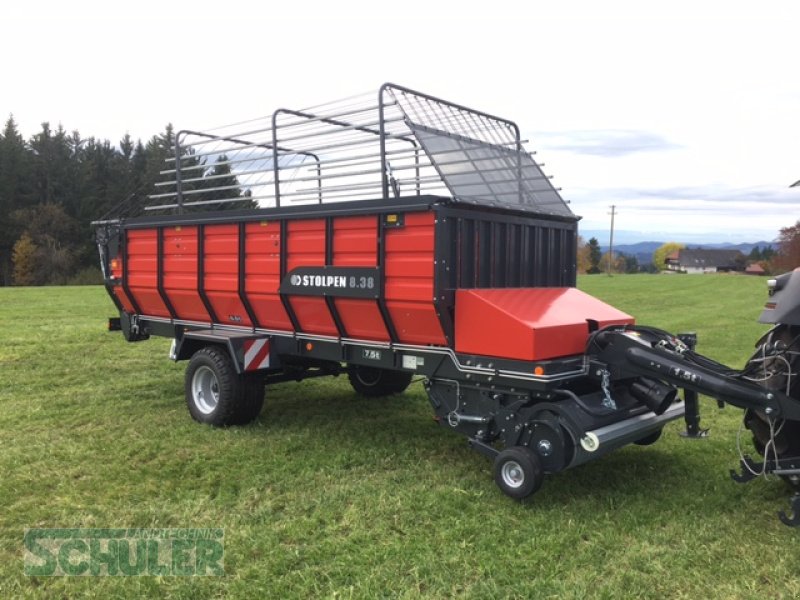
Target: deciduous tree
[
  {"x": 788, "y": 256},
  {"x": 24, "y": 261},
  {"x": 663, "y": 251}
]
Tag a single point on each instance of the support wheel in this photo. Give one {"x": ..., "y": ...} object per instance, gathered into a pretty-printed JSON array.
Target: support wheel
[
  {"x": 216, "y": 394},
  {"x": 373, "y": 382},
  {"x": 650, "y": 438},
  {"x": 518, "y": 472}
]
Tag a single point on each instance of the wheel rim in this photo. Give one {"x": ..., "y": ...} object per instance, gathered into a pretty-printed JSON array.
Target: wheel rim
[
  {"x": 363, "y": 375},
  {"x": 205, "y": 390},
  {"x": 512, "y": 474}
]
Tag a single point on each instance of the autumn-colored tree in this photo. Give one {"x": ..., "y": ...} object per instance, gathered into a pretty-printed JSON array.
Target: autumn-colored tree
[
  {"x": 622, "y": 263},
  {"x": 788, "y": 257},
  {"x": 24, "y": 260},
  {"x": 663, "y": 251}
]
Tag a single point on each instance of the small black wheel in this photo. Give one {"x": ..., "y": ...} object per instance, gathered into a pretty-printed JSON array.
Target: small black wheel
[
  {"x": 373, "y": 382},
  {"x": 650, "y": 438},
  {"x": 518, "y": 472},
  {"x": 216, "y": 394}
]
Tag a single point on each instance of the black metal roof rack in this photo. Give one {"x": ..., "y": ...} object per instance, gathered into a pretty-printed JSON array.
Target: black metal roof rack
[{"x": 405, "y": 143}]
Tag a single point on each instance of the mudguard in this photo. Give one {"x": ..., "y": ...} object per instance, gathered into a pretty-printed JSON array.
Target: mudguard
[{"x": 783, "y": 305}]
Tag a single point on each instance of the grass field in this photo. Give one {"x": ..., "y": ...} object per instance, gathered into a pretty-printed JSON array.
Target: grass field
[{"x": 332, "y": 495}]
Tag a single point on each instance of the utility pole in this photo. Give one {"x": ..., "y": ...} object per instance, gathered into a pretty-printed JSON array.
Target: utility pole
[{"x": 611, "y": 241}]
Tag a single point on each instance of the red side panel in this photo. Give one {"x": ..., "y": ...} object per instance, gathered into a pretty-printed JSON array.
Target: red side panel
[
  {"x": 529, "y": 323},
  {"x": 355, "y": 244},
  {"x": 143, "y": 271},
  {"x": 408, "y": 264},
  {"x": 180, "y": 273},
  {"x": 222, "y": 274},
  {"x": 306, "y": 248},
  {"x": 263, "y": 274}
]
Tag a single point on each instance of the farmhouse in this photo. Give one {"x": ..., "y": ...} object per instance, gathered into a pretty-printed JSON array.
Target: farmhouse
[
  {"x": 755, "y": 269},
  {"x": 699, "y": 260}
]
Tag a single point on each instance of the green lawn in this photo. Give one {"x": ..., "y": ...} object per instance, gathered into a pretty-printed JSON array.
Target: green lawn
[{"x": 332, "y": 495}]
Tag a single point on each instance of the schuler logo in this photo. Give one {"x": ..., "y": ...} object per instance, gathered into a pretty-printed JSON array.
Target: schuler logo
[{"x": 121, "y": 552}]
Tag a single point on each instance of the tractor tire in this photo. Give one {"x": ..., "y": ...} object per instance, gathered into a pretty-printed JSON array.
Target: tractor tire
[
  {"x": 216, "y": 394},
  {"x": 786, "y": 441},
  {"x": 518, "y": 472},
  {"x": 372, "y": 382}
]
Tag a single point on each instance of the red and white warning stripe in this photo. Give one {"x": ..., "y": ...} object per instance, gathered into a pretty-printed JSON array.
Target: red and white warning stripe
[{"x": 256, "y": 354}]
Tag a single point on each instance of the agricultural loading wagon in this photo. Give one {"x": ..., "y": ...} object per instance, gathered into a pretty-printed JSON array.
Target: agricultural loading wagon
[{"x": 409, "y": 236}]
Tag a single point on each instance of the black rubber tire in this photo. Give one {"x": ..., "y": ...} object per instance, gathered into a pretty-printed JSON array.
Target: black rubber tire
[
  {"x": 787, "y": 441},
  {"x": 518, "y": 472},
  {"x": 216, "y": 394},
  {"x": 373, "y": 382},
  {"x": 650, "y": 438},
  {"x": 253, "y": 400}
]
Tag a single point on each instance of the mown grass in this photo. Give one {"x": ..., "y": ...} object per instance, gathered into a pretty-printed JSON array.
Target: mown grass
[{"x": 332, "y": 495}]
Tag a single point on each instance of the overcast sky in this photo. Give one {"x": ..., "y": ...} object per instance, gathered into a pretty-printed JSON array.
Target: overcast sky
[{"x": 686, "y": 117}]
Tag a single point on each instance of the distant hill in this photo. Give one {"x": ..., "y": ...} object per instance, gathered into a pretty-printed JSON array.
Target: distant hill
[{"x": 643, "y": 251}]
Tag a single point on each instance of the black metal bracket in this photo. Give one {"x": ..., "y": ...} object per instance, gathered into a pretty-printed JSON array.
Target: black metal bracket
[
  {"x": 750, "y": 469},
  {"x": 483, "y": 448},
  {"x": 792, "y": 520},
  {"x": 690, "y": 398}
]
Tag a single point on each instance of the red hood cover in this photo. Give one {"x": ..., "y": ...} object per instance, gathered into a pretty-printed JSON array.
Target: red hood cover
[{"x": 529, "y": 323}]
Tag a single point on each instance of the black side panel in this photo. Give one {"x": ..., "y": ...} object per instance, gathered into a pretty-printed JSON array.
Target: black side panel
[
  {"x": 242, "y": 272},
  {"x": 201, "y": 275},
  {"x": 125, "y": 287},
  {"x": 495, "y": 250},
  {"x": 160, "y": 273}
]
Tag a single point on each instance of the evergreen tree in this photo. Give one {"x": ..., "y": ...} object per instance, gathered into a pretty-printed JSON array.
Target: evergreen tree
[
  {"x": 582, "y": 256},
  {"x": 51, "y": 166},
  {"x": 224, "y": 185},
  {"x": 631, "y": 263},
  {"x": 15, "y": 191},
  {"x": 594, "y": 256}
]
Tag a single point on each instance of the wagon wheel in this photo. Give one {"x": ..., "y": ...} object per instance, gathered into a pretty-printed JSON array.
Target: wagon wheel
[
  {"x": 374, "y": 382},
  {"x": 216, "y": 394}
]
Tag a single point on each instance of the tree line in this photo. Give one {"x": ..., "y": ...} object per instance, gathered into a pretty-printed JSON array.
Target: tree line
[
  {"x": 53, "y": 185},
  {"x": 773, "y": 261},
  {"x": 592, "y": 260}
]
